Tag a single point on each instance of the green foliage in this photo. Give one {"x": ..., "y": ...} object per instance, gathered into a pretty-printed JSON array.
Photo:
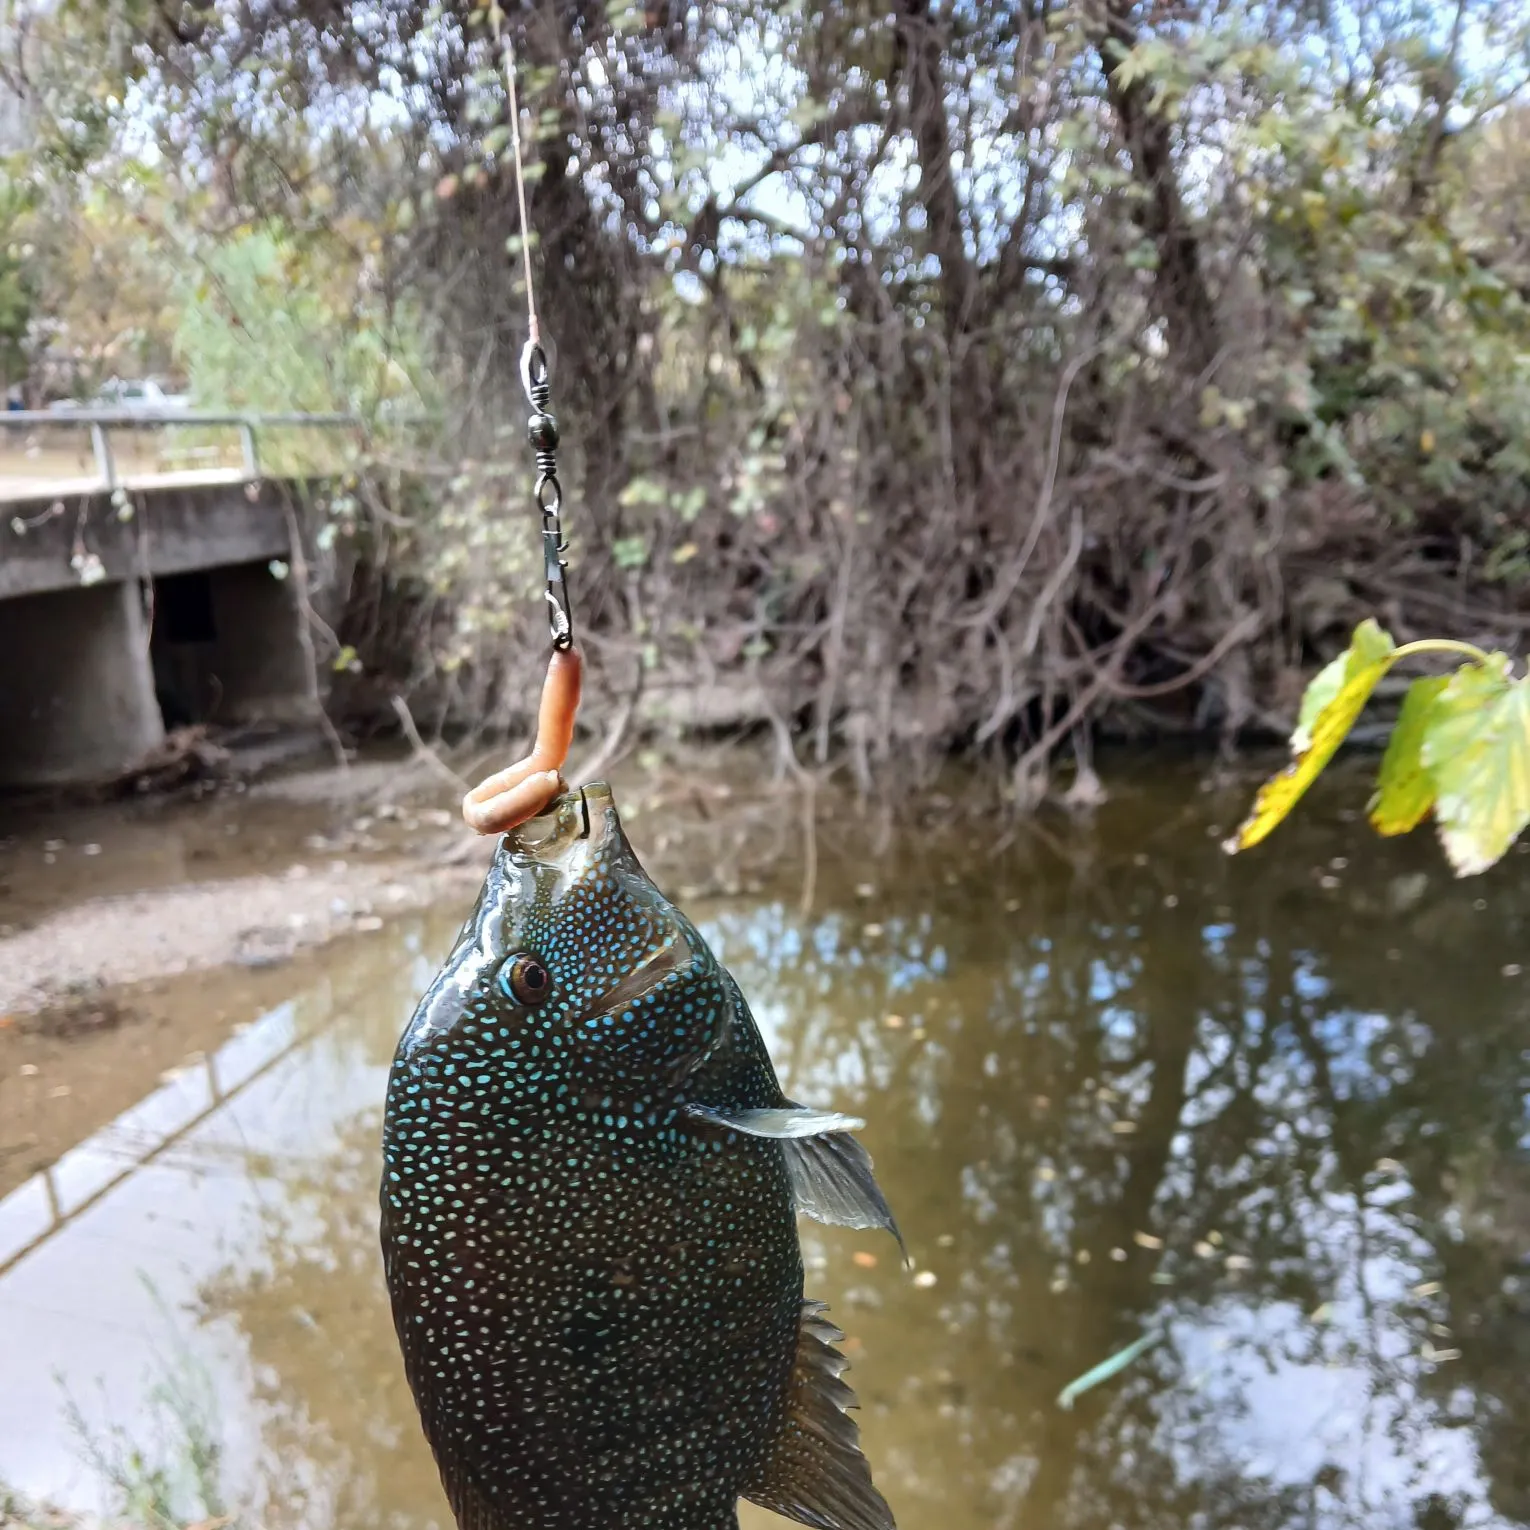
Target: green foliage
[
  {"x": 1341, "y": 688},
  {"x": 1405, "y": 791},
  {"x": 1461, "y": 748},
  {"x": 1333, "y": 701},
  {"x": 1395, "y": 300},
  {"x": 258, "y": 329},
  {"x": 1476, "y": 749},
  {"x": 630, "y": 552},
  {"x": 17, "y": 294}
]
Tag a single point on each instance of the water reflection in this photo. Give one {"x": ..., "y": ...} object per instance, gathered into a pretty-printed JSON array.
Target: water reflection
[{"x": 1276, "y": 1108}]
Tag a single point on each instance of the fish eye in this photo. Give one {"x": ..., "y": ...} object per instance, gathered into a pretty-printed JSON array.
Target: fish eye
[{"x": 525, "y": 979}]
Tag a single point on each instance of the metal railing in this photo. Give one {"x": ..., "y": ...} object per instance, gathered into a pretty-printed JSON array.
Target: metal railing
[
  {"x": 127, "y": 1157},
  {"x": 100, "y": 422}
]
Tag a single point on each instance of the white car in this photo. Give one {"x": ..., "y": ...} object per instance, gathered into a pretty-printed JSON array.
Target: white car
[{"x": 128, "y": 395}]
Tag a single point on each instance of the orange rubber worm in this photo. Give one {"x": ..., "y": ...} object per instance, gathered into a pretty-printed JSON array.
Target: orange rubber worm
[{"x": 525, "y": 789}]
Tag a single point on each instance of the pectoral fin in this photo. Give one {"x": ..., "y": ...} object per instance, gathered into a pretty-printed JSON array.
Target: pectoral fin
[
  {"x": 832, "y": 1182},
  {"x": 830, "y": 1171},
  {"x": 786, "y": 1124},
  {"x": 817, "y": 1474}
]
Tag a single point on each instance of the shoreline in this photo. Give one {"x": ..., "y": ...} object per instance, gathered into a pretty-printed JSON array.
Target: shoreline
[{"x": 247, "y": 921}]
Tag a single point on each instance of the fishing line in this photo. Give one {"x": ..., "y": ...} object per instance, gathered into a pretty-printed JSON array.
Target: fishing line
[
  {"x": 536, "y": 379},
  {"x": 527, "y": 788},
  {"x": 507, "y": 45}
]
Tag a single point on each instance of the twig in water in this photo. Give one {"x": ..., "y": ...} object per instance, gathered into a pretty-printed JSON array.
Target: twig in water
[
  {"x": 1117, "y": 1363},
  {"x": 809, "y": 843},
  {"x": 808, "y": 783}
]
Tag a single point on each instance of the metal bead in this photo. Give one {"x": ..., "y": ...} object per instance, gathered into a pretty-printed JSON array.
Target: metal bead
[{"x": 542, "y": 429}]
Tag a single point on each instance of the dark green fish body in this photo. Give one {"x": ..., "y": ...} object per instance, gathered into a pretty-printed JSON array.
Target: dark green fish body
[{"x": 591, "y": 1181}]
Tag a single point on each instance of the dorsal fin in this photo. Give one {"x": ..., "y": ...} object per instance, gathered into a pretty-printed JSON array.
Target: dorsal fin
[{"x": 817, "y": 1474}]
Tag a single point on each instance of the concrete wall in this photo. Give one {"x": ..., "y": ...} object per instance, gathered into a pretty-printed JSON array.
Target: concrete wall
[
  {"x": 226, "y": 648},
  {"x": 78, "y": 675},
  {"x": 76, "y": 689},
  {"x": 171, "y": 530}
]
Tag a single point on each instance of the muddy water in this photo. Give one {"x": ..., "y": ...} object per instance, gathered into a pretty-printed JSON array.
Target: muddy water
[{"x": 1273, "y": 1109}]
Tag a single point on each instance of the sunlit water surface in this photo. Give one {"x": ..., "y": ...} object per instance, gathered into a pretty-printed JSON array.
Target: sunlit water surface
[{"x": 1274, "y": 1108}]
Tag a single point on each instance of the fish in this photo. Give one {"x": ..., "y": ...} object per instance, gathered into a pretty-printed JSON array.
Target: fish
[{"x": 591, "y": 1182}]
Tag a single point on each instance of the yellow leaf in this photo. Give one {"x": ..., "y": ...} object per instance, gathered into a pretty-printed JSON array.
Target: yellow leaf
[
  {"x": 1321, "y": 690},
  {"x": 1426, "y": 441},
  {"x": 1334, "y": 699},
  {"x": 684, "y": 554},
  {"x": 1369, "y": 645},
  {"x": 1477, "y": 749},
  {"x": 1404, "y": 789}
]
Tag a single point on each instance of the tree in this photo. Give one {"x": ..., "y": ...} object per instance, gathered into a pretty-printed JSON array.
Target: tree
[{"x": 932, "y": 377}]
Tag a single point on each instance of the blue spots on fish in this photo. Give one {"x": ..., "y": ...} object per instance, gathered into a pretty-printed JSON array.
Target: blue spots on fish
[{"x": 581, "y": 1263}]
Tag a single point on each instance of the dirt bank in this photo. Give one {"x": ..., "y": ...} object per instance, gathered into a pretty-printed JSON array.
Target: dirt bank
[
  {"x": 126, "y": 892},
  {"x": 135, "y": 935},
  {"x": 132, "y": 942},
  {"x": 243, "y": 921}
]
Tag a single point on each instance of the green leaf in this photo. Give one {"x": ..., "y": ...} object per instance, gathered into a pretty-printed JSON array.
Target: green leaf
[
  {"x": 629, "y": 552},
  {"x": 1477, "y": 749},
  {"x": 643, "y": 491},
  {"x": 1135, "y": 66},
  {"x": 1405, "y": 791},
  {"x": 807, "y": 113},
  {"x": 1369, "y": 644},
  {"x": 1334, "y": 699}
]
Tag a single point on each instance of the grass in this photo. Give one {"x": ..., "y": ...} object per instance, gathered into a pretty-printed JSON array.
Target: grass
[{"x": 164, "y": 1474}]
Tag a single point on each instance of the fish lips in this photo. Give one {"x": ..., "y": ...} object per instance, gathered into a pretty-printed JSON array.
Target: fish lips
[{"x": 576, "y": 826}]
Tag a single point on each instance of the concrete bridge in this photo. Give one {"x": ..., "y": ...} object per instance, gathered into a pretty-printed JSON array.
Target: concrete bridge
[{"x": 136, "y": 581}]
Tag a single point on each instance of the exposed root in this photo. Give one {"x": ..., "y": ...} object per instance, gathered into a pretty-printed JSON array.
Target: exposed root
[
  {"x": 422, "y": 751},
  {"x": 185, "y": 756}
]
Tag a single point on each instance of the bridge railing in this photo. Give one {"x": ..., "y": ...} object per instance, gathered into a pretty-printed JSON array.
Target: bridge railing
[{"x": 100, "y": 423}]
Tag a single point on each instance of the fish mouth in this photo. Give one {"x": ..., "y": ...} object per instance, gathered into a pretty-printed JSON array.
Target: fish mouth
[{"x": 576, "y": 825}]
